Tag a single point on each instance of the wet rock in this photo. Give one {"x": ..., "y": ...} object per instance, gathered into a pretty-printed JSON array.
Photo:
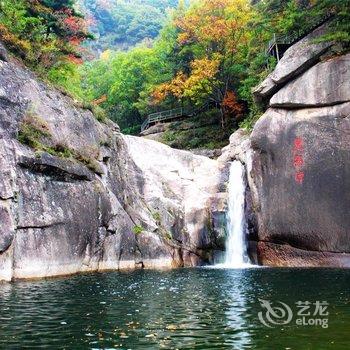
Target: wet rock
[
  {"x": 179, "y": 187},
  {"x": 299, "y": 166},
  {"x": 271, "y": 254},
  {"x": 237, "y": 148},
  {"x": 210, "y": 153},
  {"x": 61, "y": 169},
  {"x": 7, "y": 226}
]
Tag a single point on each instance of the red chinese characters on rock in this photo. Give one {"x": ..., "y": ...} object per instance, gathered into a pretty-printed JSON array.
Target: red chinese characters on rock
[{"x": 298, "y": 160}]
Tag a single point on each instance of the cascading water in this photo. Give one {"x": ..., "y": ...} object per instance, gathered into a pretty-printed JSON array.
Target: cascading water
[{"x": 236, "y": 250}]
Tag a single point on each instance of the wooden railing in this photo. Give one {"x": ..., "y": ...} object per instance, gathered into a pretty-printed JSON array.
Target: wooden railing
[
  {"x": 297, "y": 35},
  {"x": 167, "y": 116},
  {"x": 172, "y": 114}
]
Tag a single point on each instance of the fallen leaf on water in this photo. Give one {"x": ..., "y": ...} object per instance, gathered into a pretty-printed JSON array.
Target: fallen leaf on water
[
  {"x": 151, "y": 335},
  {"x": 171, "y": 327}
]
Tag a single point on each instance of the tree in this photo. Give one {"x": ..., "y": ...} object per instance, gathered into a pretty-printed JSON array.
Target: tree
[
  {"x": 213, "y": 33},
  {"x": 42, "y": 31},
  {"x": 339, "y": 29},
  {"x": 123, "y": 24}
]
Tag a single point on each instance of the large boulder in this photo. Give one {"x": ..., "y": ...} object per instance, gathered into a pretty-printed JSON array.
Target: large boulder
[
  {"x": 301, "y": 174},
  {"x": 75, "y": 195},
  {"x": 327, "y": 83},
  {"x": 296, "y": 60},
  {"x": 179, "y": 187}
]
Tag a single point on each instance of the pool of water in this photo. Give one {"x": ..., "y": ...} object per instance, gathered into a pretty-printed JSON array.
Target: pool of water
[{"x": 179, "y": 309}]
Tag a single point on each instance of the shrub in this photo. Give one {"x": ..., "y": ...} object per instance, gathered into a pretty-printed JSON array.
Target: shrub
[
  {"x": 156, "y": 216},
  {"x": 33, "y": 131},
  {"x": 137, "y": 229}
]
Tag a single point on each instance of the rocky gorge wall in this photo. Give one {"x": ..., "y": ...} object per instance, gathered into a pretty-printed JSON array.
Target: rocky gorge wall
[
  {"x": 299, "y": 159},
  {"x": 76, "y": 195}
]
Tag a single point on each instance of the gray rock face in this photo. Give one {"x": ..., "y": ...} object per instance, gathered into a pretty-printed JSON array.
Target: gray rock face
[
  {"x": 210, "y": 153},
  {"x": 237, "y": 149},
  {"x": 325, "y": 84},
  {"x": 100, "y": 201},
  {"x": 180, "y": 188},
  {"x": 300, "y": 162},
  {"x": 302, "y": 174},
  {"x": 3, "y": 53},
  {"x": 296, "y": 60}
]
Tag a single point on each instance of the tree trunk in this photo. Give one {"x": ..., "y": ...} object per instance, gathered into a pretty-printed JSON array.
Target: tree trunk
[{"x": 222, "y": 112}]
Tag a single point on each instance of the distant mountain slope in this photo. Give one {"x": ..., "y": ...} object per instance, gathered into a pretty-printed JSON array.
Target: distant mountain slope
[{"x": 121, "y": 24}]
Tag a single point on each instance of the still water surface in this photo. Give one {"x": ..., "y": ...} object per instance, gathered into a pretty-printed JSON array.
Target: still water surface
[{"x": 179, "y": 309}]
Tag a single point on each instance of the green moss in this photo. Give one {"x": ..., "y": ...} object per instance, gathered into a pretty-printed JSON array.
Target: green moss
[
  {"x": 89, "y": 162},
  {"x": 168, "y": 235},
  {"x": 99, "y": 114},
  {"x": 209, "y": 137},
  {"x": 137, "y": 229},
  {"x": 97, "y": 111},
  {"x": 60, "y": 150},
  {"x": 156, "y": 216},
  {"x": 33, "y": 131}
]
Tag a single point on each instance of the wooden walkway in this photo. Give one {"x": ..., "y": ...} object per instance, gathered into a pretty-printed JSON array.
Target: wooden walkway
[
  {"x": 278, "y": 45},
  {"x": 169, "y": 115}
]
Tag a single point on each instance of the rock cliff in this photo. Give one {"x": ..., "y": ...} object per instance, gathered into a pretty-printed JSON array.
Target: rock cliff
[
  {"x": 76, "y": 195},
  {"x": 299, "y": 172}
]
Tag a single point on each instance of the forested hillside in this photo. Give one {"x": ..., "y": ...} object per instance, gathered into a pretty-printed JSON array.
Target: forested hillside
[
  {"x": 122, "y": 24},
  {"x": 211, "y": 53},
  {"x": 208, "y": 56}
]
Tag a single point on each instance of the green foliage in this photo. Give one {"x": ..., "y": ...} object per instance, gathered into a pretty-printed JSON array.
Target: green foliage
[
  {"x": 65, "y": 75},
  {"x": 202, "y": 131},
  {"x": 255, "y": 113},
  {"x": 339, "y": 30},
  {"x": 47, "y": 35},
  {"x": 19, "y": 30},
  {"x": 43, "y": 31},
  {"x": 210, "y": 52},
  {"x": 126, "y": 78},
  {"x": 132, "y": 130}
]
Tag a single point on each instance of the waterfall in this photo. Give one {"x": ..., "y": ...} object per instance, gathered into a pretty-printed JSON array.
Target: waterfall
[{"x": 236, "y": 250}]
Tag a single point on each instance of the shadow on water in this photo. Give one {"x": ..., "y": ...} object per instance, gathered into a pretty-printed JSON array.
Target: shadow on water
[{"x": 179, "y": 309}]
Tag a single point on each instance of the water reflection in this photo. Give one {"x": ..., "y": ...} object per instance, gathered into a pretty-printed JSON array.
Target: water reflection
[
  {"x": 237, "y": 307},
  {"x": 179, "y": 309}
]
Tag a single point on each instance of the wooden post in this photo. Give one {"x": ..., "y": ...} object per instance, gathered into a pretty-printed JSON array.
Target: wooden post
[{"x": 277, "y": 51}]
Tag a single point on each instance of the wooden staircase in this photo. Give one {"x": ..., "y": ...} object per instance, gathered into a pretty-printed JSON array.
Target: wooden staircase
[{"x": 279, "y": 44}]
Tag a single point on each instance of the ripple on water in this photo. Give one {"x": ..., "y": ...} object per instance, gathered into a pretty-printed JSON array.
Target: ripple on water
[{"x": 179, "y": 309}]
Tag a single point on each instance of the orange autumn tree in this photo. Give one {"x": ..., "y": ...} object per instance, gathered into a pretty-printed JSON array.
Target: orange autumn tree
[
  {"x": 197, "y": 84},
  {"x": 231, "y": 105},
  {"x": 212, "y": 34}
]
